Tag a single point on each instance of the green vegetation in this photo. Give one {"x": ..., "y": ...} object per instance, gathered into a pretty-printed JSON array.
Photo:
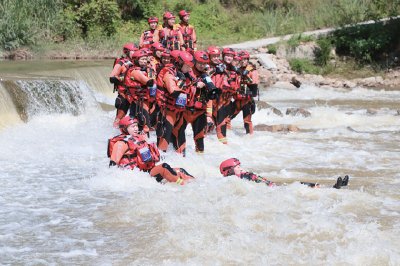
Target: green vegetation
[{"x": 100, "y": 26}]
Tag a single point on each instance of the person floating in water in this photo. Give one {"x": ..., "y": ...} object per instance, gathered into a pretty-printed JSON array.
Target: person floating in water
[{"x": 232, "y": 167}]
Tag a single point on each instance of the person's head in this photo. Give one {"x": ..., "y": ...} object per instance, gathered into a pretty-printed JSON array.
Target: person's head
[
  {"x": 157, "y": 49},
  {"x": 140, "y": 58},
  {"x": 169, "y": 19},
  {"x": 153, "y": 22},
  {"x": 230, "y": 167},
  {"x": 129, "y": 49},
  {"x": 245, "y": 58},
  {"x": 236, "y": 60},
  {"x": 166, "y": 57},
  {"x": 227, "y": 55},
  {"x": 174, "y": 56},
  {"x": 129, "y": 126},
  {"x": 185, "y": 61},
  {"x": 201, "y": 59},
  {"x": 214, "y": 54},
  {"x": 184, "y": 15}
]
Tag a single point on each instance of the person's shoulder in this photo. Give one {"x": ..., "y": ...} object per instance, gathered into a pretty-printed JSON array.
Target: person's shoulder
[
  {"x": 191, "y": 26},
  {"x": 177, "y": 26},
  {"x": 159, "y": 27}
]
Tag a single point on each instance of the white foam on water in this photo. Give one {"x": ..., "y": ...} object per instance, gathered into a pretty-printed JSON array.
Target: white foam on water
[{"x": 62, "y": 204}]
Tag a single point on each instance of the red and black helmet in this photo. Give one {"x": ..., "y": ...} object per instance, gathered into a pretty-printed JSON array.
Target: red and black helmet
[
  {"x": 147, "y": 50},
  {"x": 152, "y": 19},
  {"x": 130, "y": 47},
  {"x": 156, "y": 46},
  {"x": 166, "y": 53},
  {"x": 244, "y": 54},
  {"x": 136, "y": 55},
  {"x": 125, "y": 122},
  {"x": 167, "y": 16},
  {"x": 201, "y": 56},
  {"x": 186, "y": 58},
  {"x": 174, "y": 54},
  {"x": 237, "y": 57},
  {"x": 213, "y": 50},
  {"x": 226, "y": 167},
  {"x": 228, "y": 50},
  {"x": 183, "y": 13}
]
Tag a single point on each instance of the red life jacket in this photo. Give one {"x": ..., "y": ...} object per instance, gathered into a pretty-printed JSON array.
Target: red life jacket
[
  {"x": 147, "y": 38},
  {"x": 171, "y": 38},
  {"x": 139, "y": 154},
  {"x": 134, "y": 88},
  {"x": 186, "y": 32},
  {"x": 197, "y": 97},
  {"x": 244, "y": 92},
  {"x": 164, "y": 99},
  {"x": 122, "y": 61}
]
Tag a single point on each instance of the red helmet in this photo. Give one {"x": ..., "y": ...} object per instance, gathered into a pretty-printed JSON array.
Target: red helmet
[
  {"x": 183, "y": 13},
  {"x": 147, "y": 50},
  {"x": 174, "y": 54},
  {"x": 201, "y": 56},
  {"x": 152, "y": 19},
  {"x": 244, "y": 54},
  {"x": 228, "y": 50},
  {"x": 167, "y": 16},
  {"x": 213, "y": 50},
  {"x": 138, "y": 54},
  {"x": 166, "y": 53},
  {"x": 156, "y": 46},
  {"x": 226, "y": 167},
  {"x": 185, "y": 58},
  {"x": 237, "y": 56},
  {"x": 130, "y": 47},
  {"x": 125, "y": 122}
]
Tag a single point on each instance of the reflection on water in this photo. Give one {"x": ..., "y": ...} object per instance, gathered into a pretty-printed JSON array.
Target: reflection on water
[{"x": 61, "y": 204}]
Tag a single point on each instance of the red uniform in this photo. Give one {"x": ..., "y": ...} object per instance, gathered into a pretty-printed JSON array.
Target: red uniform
[
  {"x": 188, "y": 34},
  {"x": 146, "y": 39},
  {"x": 170, "y": 37}
]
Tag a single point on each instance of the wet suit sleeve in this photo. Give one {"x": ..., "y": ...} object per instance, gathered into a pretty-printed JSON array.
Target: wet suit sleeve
[
  {"x": 141, "y": 40},
  {"x": 254, "y": 76},
  {"x": 180, "y": 39},
  {"x": 156, "y": 36},
  {"x": 257, "y": 179},
  {"x": 120, "y": 147},
  {"x": 209, "y": 108},
  {"x": 139, "y": 76},
  {"x": 194, "y": 39},
  {"x": 164, "y": 171},
  {"x": 171, "y": 85}
]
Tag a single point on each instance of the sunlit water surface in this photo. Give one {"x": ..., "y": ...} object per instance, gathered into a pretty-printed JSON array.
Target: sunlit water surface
[{"x": 61, "y": 204}]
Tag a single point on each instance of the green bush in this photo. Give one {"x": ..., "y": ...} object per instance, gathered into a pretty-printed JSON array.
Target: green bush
[
  {"x": 302, "y": 65},
  {"x": 324, "y": 54}
]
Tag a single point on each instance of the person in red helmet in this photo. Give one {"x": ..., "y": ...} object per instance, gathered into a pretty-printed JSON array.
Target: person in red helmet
[
  {"x": 174, "y": 56},
  {"x": 138, "y": 80},
  {"x": 168, "y": 34},
  {"x": 227, "y": 80},
  {"x": 247, "y": 90},
  {"x": 146, "y": 39},
  {"x": 166, "y": 58},
  {"x": 173, "y": 84},
  {"x": 157, "y": 50},
  {"x": 187, "y": 30},
  {"x": 130, "y": 150},
  {"x": 196, "y": 107},
  {"x": 117, "y": 78},
  {"x": 235, "y": 63},
  {"x": 231, "y": 167}
]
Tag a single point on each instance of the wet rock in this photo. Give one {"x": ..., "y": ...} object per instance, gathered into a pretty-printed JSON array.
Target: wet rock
[
  {"x": 372, "y": 111},
  {"x": 318, "y": 79},
  {"x": 337, "y": 84},
  {"x": 296, "y": 82},
  {"x": 264, "y": 105},
  {"x": 349, "y": 84},
  {"x": 276, "y": 128},
  {"x": 284, "y": 85},
  {"x": 327, "y": 82},
  {"x": 297, "y": 111}
]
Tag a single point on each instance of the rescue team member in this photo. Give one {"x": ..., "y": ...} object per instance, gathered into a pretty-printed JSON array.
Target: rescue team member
[
  {"x": 146, "y": 39},
  {"x": 117, "y": 78},
  {"x": 168, "y": 34},
  {"x": 196, "y": 107},
  {"x": 172, "y": 87},
  {"x": 138, "y": 80},
  {"x": 187, "y": 30},
  {"x": 166, "y": 58},
  {"x": 157, "y": 50},
  {"x": 232, "y": 167},
  {"x": 235, "y": 67},
  {"x": 225, "y": 79},
  {"x": 248, "y": 89},
  {"x": 130, "y": 150}
]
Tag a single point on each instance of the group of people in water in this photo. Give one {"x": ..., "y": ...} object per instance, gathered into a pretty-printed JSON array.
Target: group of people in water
[{"x": 165, "y": 84}]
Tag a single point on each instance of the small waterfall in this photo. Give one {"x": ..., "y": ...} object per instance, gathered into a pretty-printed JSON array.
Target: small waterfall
[
  {"x": 26, "y": 97},
  {"x": 96, "y": 77}
]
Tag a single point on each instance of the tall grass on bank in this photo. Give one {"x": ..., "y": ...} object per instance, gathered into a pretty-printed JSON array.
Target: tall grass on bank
[{"x": 24, "y": 22}]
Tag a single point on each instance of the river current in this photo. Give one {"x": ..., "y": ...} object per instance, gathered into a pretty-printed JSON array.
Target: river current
[{"x": 61, "y": 204}]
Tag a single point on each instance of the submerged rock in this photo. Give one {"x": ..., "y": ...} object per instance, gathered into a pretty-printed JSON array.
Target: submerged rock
[
  {"x": 264, "y": 105},
  {"x": 276, "y": 128},
  {"x": 297, "y": 111}
]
